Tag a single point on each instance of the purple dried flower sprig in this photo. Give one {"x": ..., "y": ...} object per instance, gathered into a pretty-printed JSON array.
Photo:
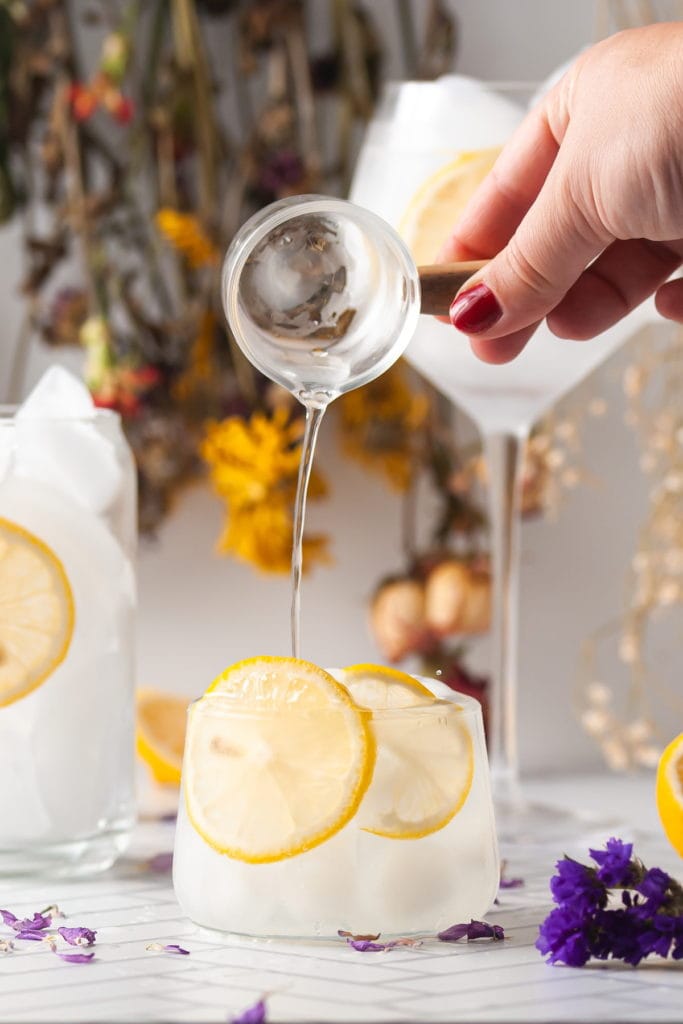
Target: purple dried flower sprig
[{"x": 620, "y": 910}]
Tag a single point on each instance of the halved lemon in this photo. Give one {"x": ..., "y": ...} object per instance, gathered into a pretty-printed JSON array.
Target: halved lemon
[
  {"x": 278, "y": 759},
  {"x": 36, "y": 612},
  {"x": 424, "y": 761},
  {"x": 670, "y": 793},
  {"x": 437, "y": 204},
  {"x": 160, "y": 733}
]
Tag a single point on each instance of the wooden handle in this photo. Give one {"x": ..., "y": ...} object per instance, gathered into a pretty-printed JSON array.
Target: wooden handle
[{"x": 440, "y": 281}]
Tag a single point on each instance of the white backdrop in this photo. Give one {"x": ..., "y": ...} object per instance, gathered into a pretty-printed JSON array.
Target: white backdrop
[{"x": 199, "y": 612}]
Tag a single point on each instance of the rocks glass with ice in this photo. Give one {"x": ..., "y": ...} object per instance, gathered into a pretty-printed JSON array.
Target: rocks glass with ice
[
  {"x": 349, "y": 800},
  {"x": 67, "y": 600}
]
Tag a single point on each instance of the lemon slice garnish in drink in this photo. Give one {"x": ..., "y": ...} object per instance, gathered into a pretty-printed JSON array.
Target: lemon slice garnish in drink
[
  {"x": 424, "y": 761},
  {"x": 160, "y": 733},
  {"x": 439, "y": 201},
  {"x": 670, "y": 793},
  {"x": 36, "y": 612},
  {"x": 278, "y": 758}
]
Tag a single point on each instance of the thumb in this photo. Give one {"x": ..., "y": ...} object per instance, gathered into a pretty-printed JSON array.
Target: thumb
[
  {"x": 551, "y": 247},
  {"x": 669, "y": 300}
]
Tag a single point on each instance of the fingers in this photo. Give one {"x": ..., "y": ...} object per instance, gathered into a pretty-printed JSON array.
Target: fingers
[
  {"x": 503, "y": 198},
  {"x": 547, "y": 253},
  {"x": 669, "y": 301},
  {"x": 624, "y": 275},
  {"x": 502, "y": 350}
]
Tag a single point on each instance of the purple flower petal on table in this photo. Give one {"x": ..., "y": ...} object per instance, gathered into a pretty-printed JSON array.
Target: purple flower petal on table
[
  {"x": 255, "y": 1014},
  {"x": 452, "y": 934},
  {"x": 36, "y": 923},
  {"x": 8, "y": 918},
  {"x": 160, "y": 863},
  {"x": 75, "y": 958},
  {"x": 29, "y": 935},
  {"x": 367, "y": 946},
  {"x": 473, "y": 930},
  {"x": 157, "y": 947},
  {"x": 511, "y": 883},
  {"x": 78, "y": 936}
]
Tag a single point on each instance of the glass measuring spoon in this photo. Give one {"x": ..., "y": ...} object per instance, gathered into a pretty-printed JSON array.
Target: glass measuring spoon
[{"x": 322, "y": 296}]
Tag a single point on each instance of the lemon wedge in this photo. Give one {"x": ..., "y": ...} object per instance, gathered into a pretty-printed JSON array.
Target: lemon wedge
[
  {"x": 160, "y": 733},
  {"x": 437, "y": 204},
  {"x": 424, "y": 761},
  {"x": 669, "y": 792},
  {"x": 36, "y": 612},
  {"x": 278, "y": 759}
]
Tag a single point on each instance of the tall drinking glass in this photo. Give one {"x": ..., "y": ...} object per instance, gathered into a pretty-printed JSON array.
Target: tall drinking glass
[
  {"x": 67, "y": 600},
  {"x": 419, "y": 130}
]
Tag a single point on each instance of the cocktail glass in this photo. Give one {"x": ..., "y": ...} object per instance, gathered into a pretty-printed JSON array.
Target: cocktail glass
[
  {"x": 67, "y": 600},
  {"x": 418, "y": 129},
  {"x": 355, "y": 879}
]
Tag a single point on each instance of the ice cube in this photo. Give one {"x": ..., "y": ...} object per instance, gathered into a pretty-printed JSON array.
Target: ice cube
[
  {"x": 59, "y": 443},
  {"x": 59, "y": 394}
]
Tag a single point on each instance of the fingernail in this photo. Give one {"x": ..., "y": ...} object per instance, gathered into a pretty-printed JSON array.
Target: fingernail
[{"x": 475, "y": 310}]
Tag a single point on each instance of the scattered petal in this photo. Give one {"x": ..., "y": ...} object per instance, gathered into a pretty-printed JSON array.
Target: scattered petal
[
  {"x": 255, "y": 1014},
  {"x": 78, "y": 936},
  {"x": 156, "y": 947},
  {"x": 473, "y": 930},
  {"x": 32, "y": 924},
  {"x": 8, "y": 918},
  {"x": 29, "y": 935},
  {"x": 171, "y": 817},
  {"x": 160, "y": 863},
  {"x": 75, "y": 958},
  {"x": 6, "y": 945},
  {"x": 509, "y": 883},
  {"x": 358, "y": 938},
  {"x": 367, "y": 946},
  {"x": 52, "y": 911}
]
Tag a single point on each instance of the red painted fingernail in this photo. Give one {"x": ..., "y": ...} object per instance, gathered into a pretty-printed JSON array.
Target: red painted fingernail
[{"x": 475, "y": 310}]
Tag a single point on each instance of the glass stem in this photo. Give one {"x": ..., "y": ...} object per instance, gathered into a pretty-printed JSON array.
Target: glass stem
[
  {"x": 504, "y": 453},
  {"x": 314, "y": 415}
]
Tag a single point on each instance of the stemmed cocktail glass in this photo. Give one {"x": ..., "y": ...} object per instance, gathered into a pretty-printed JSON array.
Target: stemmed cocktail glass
[{"x": 418, "y": 129}]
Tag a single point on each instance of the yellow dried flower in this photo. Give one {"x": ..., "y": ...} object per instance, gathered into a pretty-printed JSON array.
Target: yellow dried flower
[
  {"x": 262, "y": 535},
  {"x": 254, "y": 466},
  {"x": 378, "y": 425},
  {"x": 184, "y": 232}
]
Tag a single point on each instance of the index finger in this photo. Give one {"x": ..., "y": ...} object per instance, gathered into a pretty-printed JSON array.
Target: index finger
[{"x": 496, "y": 209}]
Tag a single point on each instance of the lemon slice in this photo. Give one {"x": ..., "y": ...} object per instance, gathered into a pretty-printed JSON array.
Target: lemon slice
[
  {"x": 36, "y": 612},
  {"x": 670, "y": 793},
  {"x": 278, "y": 759},
  {"x": 424, "y": 761},
  {"x": 437, "y": 204},
  {"x": 160, "y": 733}
]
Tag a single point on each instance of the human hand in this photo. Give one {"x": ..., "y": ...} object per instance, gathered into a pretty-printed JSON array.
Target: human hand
[{"x": 584, "y": 206}]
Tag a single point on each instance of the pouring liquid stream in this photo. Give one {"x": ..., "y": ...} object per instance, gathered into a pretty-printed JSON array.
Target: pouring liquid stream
[{"x": 315, "y": 410}]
